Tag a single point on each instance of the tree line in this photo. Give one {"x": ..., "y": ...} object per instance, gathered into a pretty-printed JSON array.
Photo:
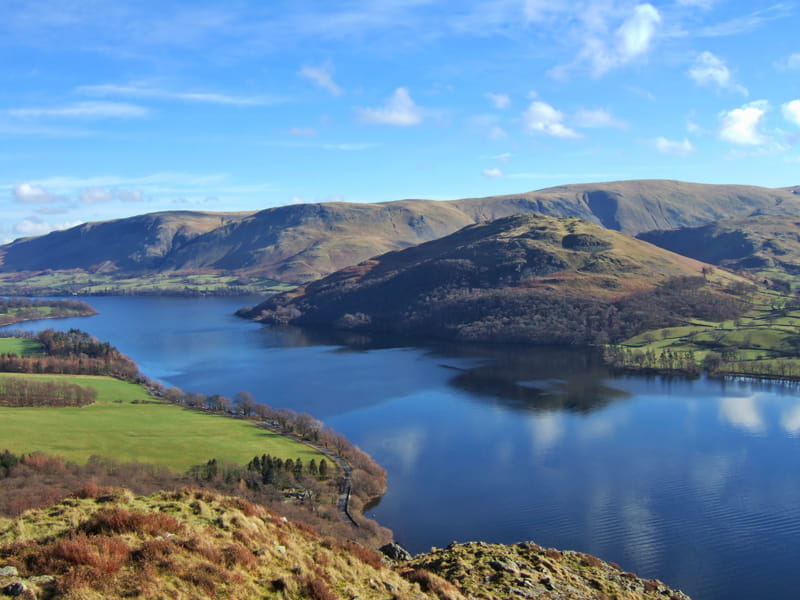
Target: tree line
[
  {"x": 368, "y": 479},
  {"x": 72, "y": 352},
  {"x": 18, "y": 392}
]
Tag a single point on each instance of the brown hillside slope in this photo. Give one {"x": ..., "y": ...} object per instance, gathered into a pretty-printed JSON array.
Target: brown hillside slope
[
  {"x": 193, "y": 544},
  {"x": 760, "y": 244},
  {"x": 528, "y": 278},
  {"x": 299, "y": 243}
]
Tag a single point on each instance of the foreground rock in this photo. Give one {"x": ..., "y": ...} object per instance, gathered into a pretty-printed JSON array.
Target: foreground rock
[
  {"x": 195, "y": 544},
  {"x": 528, "y": 571}
]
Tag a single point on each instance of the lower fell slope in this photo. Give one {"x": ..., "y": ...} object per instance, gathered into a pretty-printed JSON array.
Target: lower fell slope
[
  {"x": 196, "y": 544},
  {"x": 233, "y": 253},
  {"x": 526, "y": 278},
  {"x": 765, "y": 245}
]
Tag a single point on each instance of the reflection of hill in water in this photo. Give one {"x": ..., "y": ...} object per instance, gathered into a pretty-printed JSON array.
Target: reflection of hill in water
[
  {"x": 520, "y": 377},
  {"x": 540, "y": 379}
]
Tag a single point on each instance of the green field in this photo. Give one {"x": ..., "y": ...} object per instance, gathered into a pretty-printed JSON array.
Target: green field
[
  {"x": 20, "y": 347},
  {"x": 765, "y": 342},
  {"x": 145, "y": 431},
  {"x": 81, "y": 283}
]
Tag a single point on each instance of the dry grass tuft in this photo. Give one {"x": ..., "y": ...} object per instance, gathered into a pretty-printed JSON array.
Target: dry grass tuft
[
  {"x": 120, "y": 520},
  {"x": 428, "y": 582}
]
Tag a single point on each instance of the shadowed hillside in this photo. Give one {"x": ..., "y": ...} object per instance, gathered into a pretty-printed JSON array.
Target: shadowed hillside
[
  {"x": 766, "y": 245},
  {"x": 528, "y": 278},
  {"x": 299, "y": 243}
]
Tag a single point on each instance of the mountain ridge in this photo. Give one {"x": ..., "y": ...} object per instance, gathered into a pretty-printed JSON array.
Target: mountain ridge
[{"x": 299, "y": 243}]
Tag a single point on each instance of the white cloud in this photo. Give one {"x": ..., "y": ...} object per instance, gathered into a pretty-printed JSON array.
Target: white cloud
[
  {"x": 791, "y": 111},
  {"x": 597, "y": 118},
  {"x": 499, "y": 101},
  {"x": 710, "y": 70},
  {"x": 741, "y": 125},
  {"x": 543, "y": 118},
  {"x": 37, "y": 226},
  {"x": 493, "y": 173},
  {"x": 793, "y": 62},
  {"x": 630, "y": 41},
  {"x": 636, "y": 34},
  {"x": 323, "y": 77},
  {"x": 504, "y": 157},
  {"x": 29, "y": 193},
  {"x": 303, "y": 131},
  {"x": 399, "y": 109},
  {"x": 677, "y": 148},
  {"x": 84, "y": 110},
  {"x": 145, "y": 91}
]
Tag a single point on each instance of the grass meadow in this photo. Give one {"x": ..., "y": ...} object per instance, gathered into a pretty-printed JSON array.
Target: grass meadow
[{"x": 127, "y": 424}]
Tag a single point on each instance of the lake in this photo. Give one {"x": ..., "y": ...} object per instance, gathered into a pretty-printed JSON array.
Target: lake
[{"x": 691, "y": 482}]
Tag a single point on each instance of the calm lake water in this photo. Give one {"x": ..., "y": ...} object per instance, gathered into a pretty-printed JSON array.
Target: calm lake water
[{"x": 692, "y": 482}]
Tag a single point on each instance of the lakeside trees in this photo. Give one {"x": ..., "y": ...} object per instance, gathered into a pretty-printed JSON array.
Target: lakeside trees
[{"x": 72, "y": 352}]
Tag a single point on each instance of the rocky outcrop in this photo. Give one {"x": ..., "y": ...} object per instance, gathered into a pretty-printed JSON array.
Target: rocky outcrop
[
  {"x": 527, "y": 571},
  {"x": 195, "y": 544}
]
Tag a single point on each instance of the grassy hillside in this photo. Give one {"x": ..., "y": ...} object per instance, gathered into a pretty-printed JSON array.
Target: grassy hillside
[
  {"x": 198, "y": 545},
  {"x": 127, "y": 424},
  {"x": 528, "y": 278},
  {"x": 243, "y": 252},
  {"x": 767, "y": 246}
]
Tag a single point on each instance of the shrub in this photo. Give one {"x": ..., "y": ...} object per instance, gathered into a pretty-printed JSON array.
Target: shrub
[{"x": 119, "y": 520}]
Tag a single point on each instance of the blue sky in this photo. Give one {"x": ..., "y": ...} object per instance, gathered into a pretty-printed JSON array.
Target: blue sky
[{"x": 111, "y": 109}]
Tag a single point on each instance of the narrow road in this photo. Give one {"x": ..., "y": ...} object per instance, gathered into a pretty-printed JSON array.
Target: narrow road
[{"x": 343, "y": 503}]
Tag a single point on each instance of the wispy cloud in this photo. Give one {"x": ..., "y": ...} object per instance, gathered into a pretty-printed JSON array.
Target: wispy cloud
[
  {"x": 340, "y": 146},
  {"x": 594, "y": 118},
  {"x": 322, "y": 76},
  {"x": 28, "y": 193},
  {"x": 673, "y": 147},
  {"x": 83, "y": 110},
  {"x": 146, "y": 91},
  {"x": 36, "y": 226},
  {"x": 493, "y": 173},
  {"x": 747, "y": 22},
  {"x": 710, "y": 70},
  {"x": 499, "y": 101},
  {"x": 399, "y": 109}
]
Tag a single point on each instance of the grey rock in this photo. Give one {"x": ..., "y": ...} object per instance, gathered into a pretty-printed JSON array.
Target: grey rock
[
  {"x": 42, "y": 580},
  {"x": 395, "y": 551},
  {"x": 9, "y": 572},
  {"x": 14, "y": 589},
  {"x": 508, "y": 566}
]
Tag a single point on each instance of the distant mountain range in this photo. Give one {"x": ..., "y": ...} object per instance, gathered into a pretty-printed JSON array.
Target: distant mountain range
[{"x": 300, "y": 243}]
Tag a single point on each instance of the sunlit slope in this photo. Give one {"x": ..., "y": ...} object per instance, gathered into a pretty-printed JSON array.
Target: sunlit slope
[
  {"x": 299, "y": 243},
  {"x": 527, "y": 278}
]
